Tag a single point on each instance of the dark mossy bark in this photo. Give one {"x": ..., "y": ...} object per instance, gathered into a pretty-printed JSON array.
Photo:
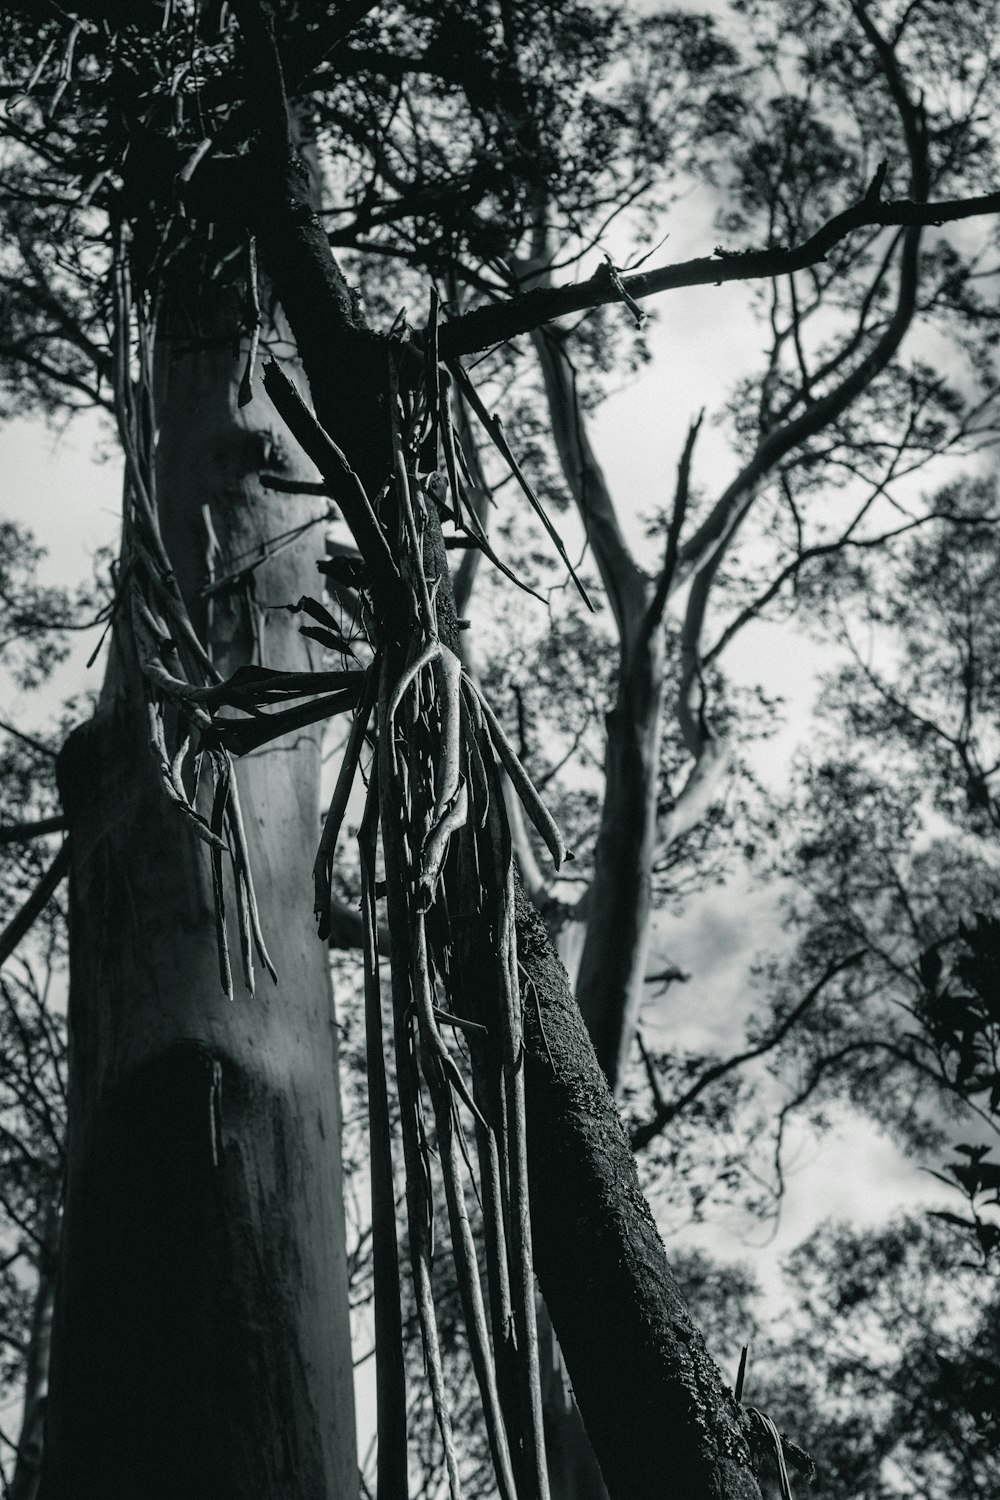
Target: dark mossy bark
[{"x": 661, "y": 1422}]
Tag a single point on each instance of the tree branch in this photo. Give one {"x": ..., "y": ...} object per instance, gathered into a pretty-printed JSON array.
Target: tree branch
[
  {"x": 661, "y": 593},
  {"x": 19, "y": 833},
  {"x": 621, "y": 576},
  {"x": 22, "y": 922},
  {"x": 668, "y": 1110},
  {"x": 484, "y": 326}
]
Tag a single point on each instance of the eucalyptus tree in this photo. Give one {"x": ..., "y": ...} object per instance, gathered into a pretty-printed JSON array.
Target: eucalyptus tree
[
  {"x": 229, "y": 1112},
  {"x": 835, "y": 423},
  {"x": 171, "y": 143}
]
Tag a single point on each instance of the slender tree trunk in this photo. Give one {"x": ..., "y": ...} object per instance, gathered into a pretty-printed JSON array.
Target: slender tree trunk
[
  {"x": 619, "y": 902},
  {"x": 202, "y": 1346}
]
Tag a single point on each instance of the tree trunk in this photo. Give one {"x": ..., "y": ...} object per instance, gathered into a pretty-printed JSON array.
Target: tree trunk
[
  {"x": 661, "y": 1422},
  {"x": 619, "y": 901},
  {"x": 202, "y": 1344}
]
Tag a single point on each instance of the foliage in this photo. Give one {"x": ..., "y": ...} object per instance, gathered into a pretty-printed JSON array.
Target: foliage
[
  {"x": 961, "y": 1015},
  {"x": 33, "y": 1064},
  {"x": 881, "y": 1360},
  {"x": 885, "y": 1369}
]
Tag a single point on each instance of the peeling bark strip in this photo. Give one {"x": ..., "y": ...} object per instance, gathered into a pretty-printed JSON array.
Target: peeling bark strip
[{"x": 661, "y": 1421}]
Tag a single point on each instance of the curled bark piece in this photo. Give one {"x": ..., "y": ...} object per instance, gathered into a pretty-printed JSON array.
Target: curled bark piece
[
  {"x": 436, "y": 844},
  {"x": 450, "y": 460},
  {"x": 150, "y": 635},
  {"x": 193, "y": 818},
  {"x": 522, "y": 783},
  {"x": 429, "y": 654},
  {"x": 390, "y": 1372},
  {"x": 472, "y": 723},
  {"x": 223, "y": 776},
  {"x": 448, "y": 681},
  {"x": 240, "y": 736}
]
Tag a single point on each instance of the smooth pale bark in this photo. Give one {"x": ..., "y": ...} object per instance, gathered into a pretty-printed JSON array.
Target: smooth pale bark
[
  {"x": 612, "y": 964},
  {"x": 612, "y": 970},
  {"x": 574, "y": 1473},
  {"x": 202, "y": 1344}
]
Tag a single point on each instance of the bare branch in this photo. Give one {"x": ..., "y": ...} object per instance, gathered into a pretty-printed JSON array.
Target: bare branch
[
  {"x": 499, "y": 321},
  {"x": 662, "y": 591},
  {"x": 19, "y": 833},
  {"x": 27, "y": 739},
  {"x": 22, "y": 922},
  {"x": 665, "y": 1112},
  {"x": 621, "y": 576},
  {"x": 824, "y": 549}
]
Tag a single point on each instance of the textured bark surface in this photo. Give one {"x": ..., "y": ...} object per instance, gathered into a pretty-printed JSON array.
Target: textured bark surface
[
  {"x": 661, "y": 1421},
  {"x": 202, "y": 1346}
]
